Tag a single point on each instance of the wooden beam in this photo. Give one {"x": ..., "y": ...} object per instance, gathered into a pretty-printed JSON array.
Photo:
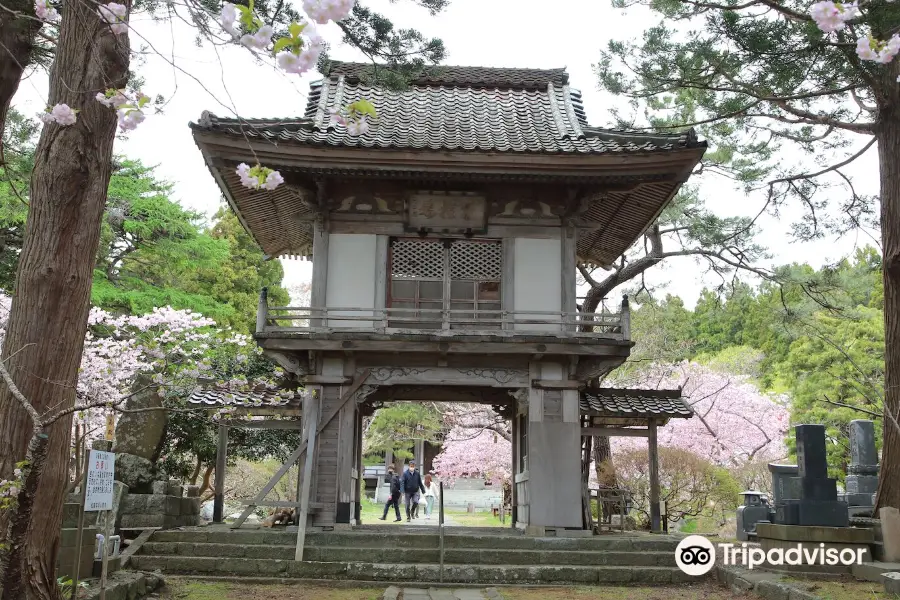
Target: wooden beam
[
  {"x": 613, "y": 432},
  {"x": 547, "y": 384},
  {"x": 583, "y": 346},
  {"x": 219, "y": 493},
  {"x": 655, "y": 525},
  {"x": 326, "y": 380},
  {"x": 307, "y": 479},
  {"x": 269, "y": 424},
  {"x": 283, "y": 503},
  {"x": 261, "y": 496}
]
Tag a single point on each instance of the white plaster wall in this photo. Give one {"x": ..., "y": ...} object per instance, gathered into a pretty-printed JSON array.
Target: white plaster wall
[
  {"x": 351, "y": 276},
  {"x": 537, "y": 281}
]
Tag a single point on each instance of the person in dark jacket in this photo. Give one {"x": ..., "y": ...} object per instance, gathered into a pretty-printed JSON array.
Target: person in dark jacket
[
  {"x": 412, "y": 486},
  {"x": 394, "y": 499}
]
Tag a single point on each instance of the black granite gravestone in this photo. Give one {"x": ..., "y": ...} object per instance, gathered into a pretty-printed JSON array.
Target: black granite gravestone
[
  {"x": 862, "y": 474},
  {"x": 818, "y": 503}
]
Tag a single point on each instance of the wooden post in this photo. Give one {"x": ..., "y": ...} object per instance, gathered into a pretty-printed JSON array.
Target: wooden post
[
  {"x": 319, "y": 275},
  {"x": 569, "y": 286},
  {"x": 80, "y": 533},
  {"x": 262, "y": 310},
  {"x": 625, "y": 318},
  {"x": 312, "y": 424},
  {"x": 654, "y": 477},
  {"x": 516, "y": 461},
  {"x": 219, "y": 492},
  {"x": 104, "y": 566}
]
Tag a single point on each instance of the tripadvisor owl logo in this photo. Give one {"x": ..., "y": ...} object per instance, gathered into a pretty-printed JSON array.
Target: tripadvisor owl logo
[{"x": 695, "y": 555}]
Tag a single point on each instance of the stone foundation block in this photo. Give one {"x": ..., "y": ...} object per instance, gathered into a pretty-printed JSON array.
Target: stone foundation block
[{"x": 159, "y": 487}]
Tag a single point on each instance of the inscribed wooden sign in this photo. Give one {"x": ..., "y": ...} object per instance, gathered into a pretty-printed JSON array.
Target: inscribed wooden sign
[
  {"x": 98, "y": 492},
  {"x": 446, "y": 211}
]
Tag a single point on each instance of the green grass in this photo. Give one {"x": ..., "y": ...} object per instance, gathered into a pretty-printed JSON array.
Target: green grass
[
  {"x": 845, "y": 589},
  {"x": 177, "y": 589}
]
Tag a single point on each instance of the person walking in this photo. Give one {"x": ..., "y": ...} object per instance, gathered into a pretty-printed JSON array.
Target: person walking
[
  {"x": 411, "y": 483},
  {"x": 431, "y": 495},
  {"x": 394, "y": 498}
]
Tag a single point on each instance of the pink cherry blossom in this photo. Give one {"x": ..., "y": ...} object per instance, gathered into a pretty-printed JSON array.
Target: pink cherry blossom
[
  {"x": 734, "y": 421},
  {"x": 115, "y": 14},
  {"x": 45, "y": 11},
  {"x": 832, "y": 16}
]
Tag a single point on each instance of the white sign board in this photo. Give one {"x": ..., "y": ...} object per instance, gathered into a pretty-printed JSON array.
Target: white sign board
[{"x": 98, "y": 493}]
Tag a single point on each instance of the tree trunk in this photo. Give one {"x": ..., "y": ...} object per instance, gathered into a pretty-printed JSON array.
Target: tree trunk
[
  {"x": 13, "y": 579},
  {"x": 48, "y": 318},
  {"x": 16, "y": 45},
  {"x": 889, "y": 163}
]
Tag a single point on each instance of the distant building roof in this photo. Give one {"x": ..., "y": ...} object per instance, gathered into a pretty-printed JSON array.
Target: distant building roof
[{"x": 634, "y": 403}]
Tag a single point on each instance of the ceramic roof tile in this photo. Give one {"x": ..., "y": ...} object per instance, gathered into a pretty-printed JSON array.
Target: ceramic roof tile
[
  {"x": 256, "y": 398},
  {"x": 456, "y": 109},
  {"x": 615, "y": 402}
]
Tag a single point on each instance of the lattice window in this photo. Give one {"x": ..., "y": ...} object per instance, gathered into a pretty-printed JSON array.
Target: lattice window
[
  {"x": 479, "y": 261},
  {"x": 430, "y": 276},
  {"x": 417, "y": 259}
]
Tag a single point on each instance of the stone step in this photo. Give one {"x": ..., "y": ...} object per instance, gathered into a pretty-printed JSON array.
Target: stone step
[
  {"x": 424, "y": 540},
  {"x": 414, "y": 555},
  {"x": 420, "y": 573}
]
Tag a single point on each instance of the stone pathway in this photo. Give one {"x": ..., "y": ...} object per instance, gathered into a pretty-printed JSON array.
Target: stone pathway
[{"x": 395, "y": 593}]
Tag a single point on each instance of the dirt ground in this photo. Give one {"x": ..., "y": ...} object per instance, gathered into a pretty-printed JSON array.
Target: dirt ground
[{"x": 194, "y": 590}]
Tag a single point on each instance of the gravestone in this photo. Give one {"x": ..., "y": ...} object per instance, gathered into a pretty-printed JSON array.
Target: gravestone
[
  {"x": 784, "y": 483},
  {"x": 862, "y": 474},
  {"x": 818, "y": 503}
]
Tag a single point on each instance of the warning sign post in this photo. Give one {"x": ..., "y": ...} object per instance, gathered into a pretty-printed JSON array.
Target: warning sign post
[{"x": 97, "y": 494}]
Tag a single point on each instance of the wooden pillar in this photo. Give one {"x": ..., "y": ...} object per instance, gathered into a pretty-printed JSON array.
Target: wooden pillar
[
  {"x": 568, "y": 300},
  {"x": 262, "y": 310},
  {"x": 655, "y": 525},
  {"x": 516, "y": 461},
  {"x": 221, "y": 454},
  {"x": 311, "y": 415},
  {"x": 319, "y": 274}
]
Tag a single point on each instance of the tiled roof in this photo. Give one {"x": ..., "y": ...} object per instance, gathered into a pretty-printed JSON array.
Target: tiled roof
[
  {"x": 256, "y": 398},
  {"x": 458, "y": 76},
  {"x": 615, "y": 402},
  {"x": 454, "y": 108}
]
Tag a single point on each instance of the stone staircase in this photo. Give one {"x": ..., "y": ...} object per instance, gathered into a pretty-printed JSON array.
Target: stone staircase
[{"x": 407, "y": 555}]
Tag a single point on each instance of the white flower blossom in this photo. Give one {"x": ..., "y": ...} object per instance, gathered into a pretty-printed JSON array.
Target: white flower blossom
[
  {"x": 259, "y": 40},
  {"x": 130, "y": 119},
  {"x": 227, "y": 19},
  {"x": 115, "y": 14},
  {"x": 61, "y": 114},
  {"x": 323, "y": 11}
]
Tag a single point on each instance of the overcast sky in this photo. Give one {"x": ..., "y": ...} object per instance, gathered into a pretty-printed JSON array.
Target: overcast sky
[{"x": 495, "y": 33}]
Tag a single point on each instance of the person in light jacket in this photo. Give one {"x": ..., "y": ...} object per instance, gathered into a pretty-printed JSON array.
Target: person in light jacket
[{"x": 431, "y": 495}]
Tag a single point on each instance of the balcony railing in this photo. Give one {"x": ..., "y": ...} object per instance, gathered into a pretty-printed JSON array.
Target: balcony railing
[{"x": 501, "y": 323}]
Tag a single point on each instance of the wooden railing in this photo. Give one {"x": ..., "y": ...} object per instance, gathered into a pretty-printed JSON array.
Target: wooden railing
[{"x": 305, "y": 319}]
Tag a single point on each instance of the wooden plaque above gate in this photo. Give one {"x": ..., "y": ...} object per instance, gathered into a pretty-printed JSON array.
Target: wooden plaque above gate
[{"x": 447, "y": 212}]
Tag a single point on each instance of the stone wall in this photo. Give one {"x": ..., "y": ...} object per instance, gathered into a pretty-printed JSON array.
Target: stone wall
[{"x": 159, "y": 510}]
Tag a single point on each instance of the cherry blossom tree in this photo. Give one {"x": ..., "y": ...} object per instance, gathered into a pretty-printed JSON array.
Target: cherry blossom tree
[
  {"x": 734, "y": 423},
  {"x": 465, "y": 453}
]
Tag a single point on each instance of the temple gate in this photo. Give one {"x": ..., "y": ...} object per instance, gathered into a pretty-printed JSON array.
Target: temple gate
[{"x": 445, "y": 245}]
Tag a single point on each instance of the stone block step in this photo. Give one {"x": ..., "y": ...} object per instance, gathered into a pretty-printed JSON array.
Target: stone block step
[
  {"x": 420, "y": 573},
  {"x": 424, "y": 540},
  {"x": 391, "y": 554}
]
